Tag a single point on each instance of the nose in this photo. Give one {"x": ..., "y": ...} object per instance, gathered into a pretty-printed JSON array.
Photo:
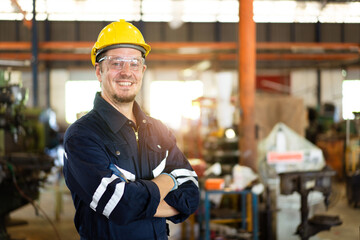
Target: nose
[{"x": 126, "y": 69}]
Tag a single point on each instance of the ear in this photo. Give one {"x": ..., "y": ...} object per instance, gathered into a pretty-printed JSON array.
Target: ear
[
  {"x": 144, "y": 68},
  {"x": 98, "y": 71}
]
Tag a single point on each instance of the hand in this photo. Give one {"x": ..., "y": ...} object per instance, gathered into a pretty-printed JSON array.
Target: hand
[
  {"x": 165, "y": 210},
  {"x": 165, "y": 184},
  {"x": 176, "y": 184}
]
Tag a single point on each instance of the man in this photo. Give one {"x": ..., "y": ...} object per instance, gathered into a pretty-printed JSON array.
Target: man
[{"x": 123, "y": 168}]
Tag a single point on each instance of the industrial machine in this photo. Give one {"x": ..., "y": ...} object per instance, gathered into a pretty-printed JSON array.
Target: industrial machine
[
  {"x": 24, "y": 165},
  {"x": 222, "y": 149},
  {"x": 304, "y": 183}
]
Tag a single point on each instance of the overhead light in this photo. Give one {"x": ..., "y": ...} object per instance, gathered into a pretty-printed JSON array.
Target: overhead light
[
  {"x": 199, "y": 67},
  {"x": 203, "y": 65},
  {"x": 230, "y": 133},
  {"x": 176, "y": 12},
  {"x": 189, "y": 50},
  {"x": 188, "y": 72},
  {"x": 15, "y": 63}
]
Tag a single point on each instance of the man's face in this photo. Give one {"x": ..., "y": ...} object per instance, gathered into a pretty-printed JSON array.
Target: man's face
[{"x": 120, "y": 79}]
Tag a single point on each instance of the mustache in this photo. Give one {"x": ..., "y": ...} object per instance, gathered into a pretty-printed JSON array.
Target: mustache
[
  {"x": 125, "y": 80},
  {"x": 124, "y": 77}
]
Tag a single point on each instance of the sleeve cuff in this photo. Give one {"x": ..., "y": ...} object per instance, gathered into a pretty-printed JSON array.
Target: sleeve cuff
[{"x": 154, "y": 197}]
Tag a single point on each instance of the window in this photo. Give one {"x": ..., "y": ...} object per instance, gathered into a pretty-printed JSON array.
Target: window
[
  {"x": 351, "y": 98},
  {"x": 79, "y": 98},
  {"x": 171, "y": 101}
]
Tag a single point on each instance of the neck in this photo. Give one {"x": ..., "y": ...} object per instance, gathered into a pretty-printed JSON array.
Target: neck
[{"x": 125, "y": 108}]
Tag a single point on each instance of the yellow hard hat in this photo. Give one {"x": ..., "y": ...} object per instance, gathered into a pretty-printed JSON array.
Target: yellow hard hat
[{"x": 119, "y": 34}]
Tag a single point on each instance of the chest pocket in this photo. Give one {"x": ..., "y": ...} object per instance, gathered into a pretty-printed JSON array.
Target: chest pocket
[
  {"x": 120, "y": 157},
  {"x": 117, "y": 151},
  {"x": 157, "y": 153}
]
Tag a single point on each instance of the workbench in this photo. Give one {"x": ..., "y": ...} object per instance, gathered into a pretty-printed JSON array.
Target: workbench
[{"x": 249, "y": 212}]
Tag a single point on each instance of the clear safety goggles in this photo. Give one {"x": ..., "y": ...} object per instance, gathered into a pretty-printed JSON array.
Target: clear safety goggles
[{"x": 119, "y": 63}]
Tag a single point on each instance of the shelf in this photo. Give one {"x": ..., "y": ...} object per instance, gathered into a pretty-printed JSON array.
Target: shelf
[
  {"x": 248, "y": 214},
  {"x": 224, "y": 221}
]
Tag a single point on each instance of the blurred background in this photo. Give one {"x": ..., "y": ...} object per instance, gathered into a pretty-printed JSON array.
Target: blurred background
[{"x": 263, "y": 89}]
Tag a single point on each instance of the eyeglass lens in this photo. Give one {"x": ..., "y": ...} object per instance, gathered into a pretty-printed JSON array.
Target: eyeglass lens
[{"x": 117, "y": 63}]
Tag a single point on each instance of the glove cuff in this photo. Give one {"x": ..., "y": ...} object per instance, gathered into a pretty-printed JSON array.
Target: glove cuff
[{"x": 173, "y": 178}]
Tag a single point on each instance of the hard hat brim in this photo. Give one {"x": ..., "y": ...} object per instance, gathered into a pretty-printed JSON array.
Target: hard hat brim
[{"x": 137, "y": 47}]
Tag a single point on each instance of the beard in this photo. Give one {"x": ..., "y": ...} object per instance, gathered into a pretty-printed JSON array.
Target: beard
[{"x": 126, "y": 99}]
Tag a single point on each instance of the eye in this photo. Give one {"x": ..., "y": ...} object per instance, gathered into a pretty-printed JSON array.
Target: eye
[
  {"x": 134, "y": 63},
  {"x": 117, "y": 63}
]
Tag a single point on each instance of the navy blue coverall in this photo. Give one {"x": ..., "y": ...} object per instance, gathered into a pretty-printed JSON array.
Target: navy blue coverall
[{"x": 107, "y": 207}]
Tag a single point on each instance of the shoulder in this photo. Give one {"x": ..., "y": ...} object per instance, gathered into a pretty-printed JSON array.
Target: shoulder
[
  {"x": 88, "y": 124},
  {"x": 158, "y": 125},
  {"x": 161, "y": 131}
]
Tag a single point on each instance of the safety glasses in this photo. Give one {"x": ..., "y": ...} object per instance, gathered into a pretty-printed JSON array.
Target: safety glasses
[{"x": 119, "y": 63}]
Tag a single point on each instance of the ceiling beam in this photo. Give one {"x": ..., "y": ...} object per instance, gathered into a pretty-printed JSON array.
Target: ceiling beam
[
  {"x": 194, "y": 51},
  {"x": 159, "y": 46},
  {"x": 188, "y": 57}
]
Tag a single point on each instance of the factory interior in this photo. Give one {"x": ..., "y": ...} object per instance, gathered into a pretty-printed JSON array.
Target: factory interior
[{"x": 262, "y": 96}]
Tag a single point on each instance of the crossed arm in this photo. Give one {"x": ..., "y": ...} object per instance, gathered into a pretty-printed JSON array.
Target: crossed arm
[{"x": 165, "y": 184}]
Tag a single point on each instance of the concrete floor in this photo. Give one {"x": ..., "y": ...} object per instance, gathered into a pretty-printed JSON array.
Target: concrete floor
[
  {"x": 350, "y": 228},
  {"x": 38, "y": 228}
]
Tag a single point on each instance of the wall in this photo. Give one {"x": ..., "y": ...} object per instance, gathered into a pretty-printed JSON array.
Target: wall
[
  {"x": 191, "y": 32},
  {"x": 58, "y": 79},
  {"x": 331, "y": 83},
  {"x": 304, "y": 85}
]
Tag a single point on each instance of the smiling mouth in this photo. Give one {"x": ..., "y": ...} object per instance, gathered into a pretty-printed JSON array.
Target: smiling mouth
[{"x": 126, "y": 84}]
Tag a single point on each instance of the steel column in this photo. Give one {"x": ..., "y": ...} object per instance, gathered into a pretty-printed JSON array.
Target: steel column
[
  {"x": 247, "y": 66},
  {"x": 47, "y": 65},
  {"x": 34, "y": 58},
  {"x": 318, "y": 89}
]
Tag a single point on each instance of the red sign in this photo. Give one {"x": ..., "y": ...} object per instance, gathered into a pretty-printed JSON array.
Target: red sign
[
  {"x": 285, "y": 157},
  {"x": 273, "y": 84}
]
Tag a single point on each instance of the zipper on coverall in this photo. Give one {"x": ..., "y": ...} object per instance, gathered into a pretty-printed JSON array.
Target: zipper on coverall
[{"x": 136, "y": 131}]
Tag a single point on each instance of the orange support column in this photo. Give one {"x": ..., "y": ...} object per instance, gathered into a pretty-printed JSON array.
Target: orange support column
[{"x": 247, "y": 69}]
